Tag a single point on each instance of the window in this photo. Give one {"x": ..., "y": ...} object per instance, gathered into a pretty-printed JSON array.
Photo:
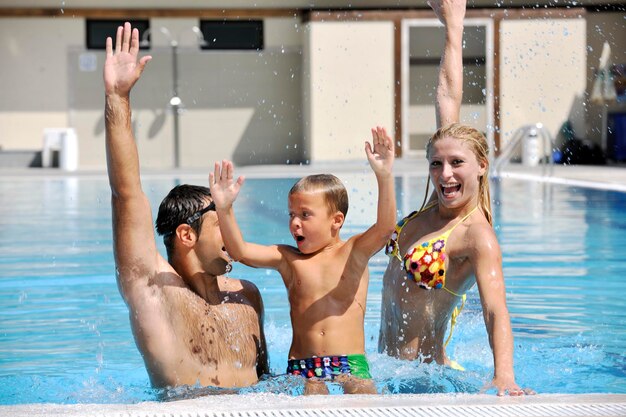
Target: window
[
  {"x": 232, "y": 34},
  {"x": 98, "y": 31}
]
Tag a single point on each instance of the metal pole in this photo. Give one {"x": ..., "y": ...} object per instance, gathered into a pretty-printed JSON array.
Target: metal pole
[{"x": 175, "y": 102}]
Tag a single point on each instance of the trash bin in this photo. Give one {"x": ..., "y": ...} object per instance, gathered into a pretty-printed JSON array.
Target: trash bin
[
  {"x": 530, "y": 148},
  {"x": 63, "y": 140},
  {"x": 616, "y": 136}
]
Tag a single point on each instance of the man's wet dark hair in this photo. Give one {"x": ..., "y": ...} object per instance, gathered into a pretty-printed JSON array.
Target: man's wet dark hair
[{"x": 178, "y": 205}]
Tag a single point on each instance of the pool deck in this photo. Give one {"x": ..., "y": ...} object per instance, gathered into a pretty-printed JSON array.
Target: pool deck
[
  {"x": 279, "y": 405},
  {"x": 610, "y": 177},
  {"x": 602, "y": 177}
]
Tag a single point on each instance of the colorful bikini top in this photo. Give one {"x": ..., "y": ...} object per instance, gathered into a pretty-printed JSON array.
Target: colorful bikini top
[{"x": 425, "y": 263}]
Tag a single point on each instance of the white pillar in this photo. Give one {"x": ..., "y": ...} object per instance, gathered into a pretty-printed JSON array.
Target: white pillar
[{"x": 348, "y": 86}]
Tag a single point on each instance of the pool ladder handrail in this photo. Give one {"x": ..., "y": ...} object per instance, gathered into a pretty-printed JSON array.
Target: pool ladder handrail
[{"x": 546, "y": 144}]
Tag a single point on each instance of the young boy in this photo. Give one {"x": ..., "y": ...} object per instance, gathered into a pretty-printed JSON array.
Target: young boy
[{"x": 326, "y": 278}]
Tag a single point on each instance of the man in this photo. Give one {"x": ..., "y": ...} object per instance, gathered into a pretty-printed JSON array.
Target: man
[{"x": 191, "y": 324}]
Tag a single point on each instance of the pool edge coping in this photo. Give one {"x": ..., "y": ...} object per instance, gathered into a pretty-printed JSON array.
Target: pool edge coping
[{"x": 267, "y": 404}]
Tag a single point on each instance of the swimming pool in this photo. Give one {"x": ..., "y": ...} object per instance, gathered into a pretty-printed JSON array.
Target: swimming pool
[{"x": 64, "y": 331}]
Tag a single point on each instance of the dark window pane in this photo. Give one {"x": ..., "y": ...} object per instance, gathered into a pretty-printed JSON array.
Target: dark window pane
[
  {"x": 232, "y": 34},
  {"x": 98, "y": 31}
]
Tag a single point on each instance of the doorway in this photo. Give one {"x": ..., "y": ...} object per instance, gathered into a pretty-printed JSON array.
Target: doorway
[{"x": 422, "y": 46}]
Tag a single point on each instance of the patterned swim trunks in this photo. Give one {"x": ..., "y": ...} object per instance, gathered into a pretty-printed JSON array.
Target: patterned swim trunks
[{"x": 329, "y": 367}]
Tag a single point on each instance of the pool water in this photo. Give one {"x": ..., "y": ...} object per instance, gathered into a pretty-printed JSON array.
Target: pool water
[{"x": 64, "y": 329}]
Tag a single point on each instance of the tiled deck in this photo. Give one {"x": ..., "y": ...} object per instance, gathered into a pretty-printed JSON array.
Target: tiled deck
[{"x": 603, "y": 176}]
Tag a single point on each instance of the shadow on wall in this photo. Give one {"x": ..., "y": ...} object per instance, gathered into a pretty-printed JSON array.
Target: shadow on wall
[
  {"x": 266, "y": 87},
  {"x": 572, "y": 145},
  {"x": 260, "y": 146},
  {"x": 240, "y": 105},
  {"x": 157, "y": 123},
  {"x": 577, "y": 117},
  {"x": 155, "y": 127}
]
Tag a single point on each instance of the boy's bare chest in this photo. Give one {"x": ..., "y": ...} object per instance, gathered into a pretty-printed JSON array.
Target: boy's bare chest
[{"x": 332, "y": 274}]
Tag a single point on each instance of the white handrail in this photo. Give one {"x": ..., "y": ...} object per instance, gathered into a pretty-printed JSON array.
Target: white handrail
[{"x": 545, "y": 148}]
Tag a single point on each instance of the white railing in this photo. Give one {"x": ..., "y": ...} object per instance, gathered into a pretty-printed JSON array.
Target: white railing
[{"x": 534, "y": 144}]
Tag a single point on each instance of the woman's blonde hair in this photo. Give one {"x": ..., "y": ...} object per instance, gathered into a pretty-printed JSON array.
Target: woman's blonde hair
[{"x": 478, "y": 144}]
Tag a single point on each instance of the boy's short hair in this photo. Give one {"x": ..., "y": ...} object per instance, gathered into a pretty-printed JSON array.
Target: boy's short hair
[
  {"x": 178, "y": 205},
  {"x": 335, "y": 194}
]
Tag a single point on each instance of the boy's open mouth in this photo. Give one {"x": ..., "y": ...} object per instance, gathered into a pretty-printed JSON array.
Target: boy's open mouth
[{"x": 299, "y": 238}]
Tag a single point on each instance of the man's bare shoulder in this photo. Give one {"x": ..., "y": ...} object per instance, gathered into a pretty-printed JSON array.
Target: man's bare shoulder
[
  {"x": 244, "y": 289},
  {"x": 148, "y": 287}
]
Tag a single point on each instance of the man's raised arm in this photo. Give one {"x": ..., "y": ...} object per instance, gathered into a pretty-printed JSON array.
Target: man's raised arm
[
  {"x": 133, "y": 236},
  {"x": 450, "y": 83}
]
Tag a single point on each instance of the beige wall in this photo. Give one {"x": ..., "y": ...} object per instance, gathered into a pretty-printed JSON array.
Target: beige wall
[
  {"x": 240, "y": 105},
  {"x": 348, "y": 85},
  {"x": 542, "y": 72},
  {"x": 34, "y": 78},
  {"x": 312, "y": 94}
]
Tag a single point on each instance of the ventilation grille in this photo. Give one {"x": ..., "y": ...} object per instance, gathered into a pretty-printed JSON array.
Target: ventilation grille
[{"x": 534, "y": 410}]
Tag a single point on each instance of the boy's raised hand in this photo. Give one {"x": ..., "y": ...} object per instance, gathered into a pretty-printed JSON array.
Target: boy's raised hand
[
  {"x": 121, "y": 67},
  {"x": 381, "y": 152},
  {"x": 224, "y": 189}
]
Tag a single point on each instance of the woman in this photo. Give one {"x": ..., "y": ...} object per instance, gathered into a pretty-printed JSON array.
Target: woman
[{"x": 438, "y": 252}]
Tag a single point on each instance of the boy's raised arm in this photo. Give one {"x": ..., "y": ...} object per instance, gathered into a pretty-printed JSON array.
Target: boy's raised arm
[
  {"x": 224, "y": 190},
  {"x": 380, "y": 155}
]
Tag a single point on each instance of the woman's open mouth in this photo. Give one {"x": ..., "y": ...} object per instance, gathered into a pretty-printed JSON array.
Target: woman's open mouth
[{"x": 448, "y": 190}]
